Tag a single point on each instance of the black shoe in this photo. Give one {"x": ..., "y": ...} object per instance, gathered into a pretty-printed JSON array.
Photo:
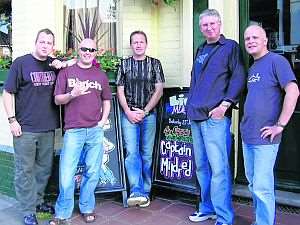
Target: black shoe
[
  {"x": 45, "y": 208},
  {"x": 30, "y": 219}
]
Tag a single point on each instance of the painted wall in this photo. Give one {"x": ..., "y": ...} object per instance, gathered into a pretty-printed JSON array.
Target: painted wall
[
  {"x": 29, "y": 17},
  {"x": 169, "y": 36}
]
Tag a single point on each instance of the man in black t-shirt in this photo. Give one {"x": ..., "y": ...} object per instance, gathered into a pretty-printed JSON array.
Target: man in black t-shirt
[
  {"x": 33, "y": 117},
  {"x": 140, "y": 83}
]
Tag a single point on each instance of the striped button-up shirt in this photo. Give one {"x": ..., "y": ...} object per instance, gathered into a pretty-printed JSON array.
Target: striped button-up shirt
[{"x": 139, "y": 78}]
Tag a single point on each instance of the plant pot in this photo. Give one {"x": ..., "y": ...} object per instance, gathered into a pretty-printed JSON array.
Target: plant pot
[{"x": 3, "y": 75}]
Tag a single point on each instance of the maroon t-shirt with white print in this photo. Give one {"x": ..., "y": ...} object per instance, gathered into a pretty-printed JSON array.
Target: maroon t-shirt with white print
[{"x": 86, "y": 110}]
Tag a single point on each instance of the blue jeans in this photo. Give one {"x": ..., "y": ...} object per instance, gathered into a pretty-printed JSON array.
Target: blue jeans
[
  {"x": 211, "y": 141},
  {"x": 139, "y": 141},
  {"x": 77, "y": 141},
  {"x": 259, "y": 163}
]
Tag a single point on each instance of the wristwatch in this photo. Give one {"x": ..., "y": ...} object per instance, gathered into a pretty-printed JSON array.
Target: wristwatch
[
  {"x": 225, "y": 104},
  {"x": 11, "y": 119}
]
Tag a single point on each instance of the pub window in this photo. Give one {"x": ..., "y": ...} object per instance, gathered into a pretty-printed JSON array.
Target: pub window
[{"x": 95, "y": 19}]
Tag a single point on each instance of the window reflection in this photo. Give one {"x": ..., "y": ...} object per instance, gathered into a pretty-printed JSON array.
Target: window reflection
[{"x": 280, "y": 18}]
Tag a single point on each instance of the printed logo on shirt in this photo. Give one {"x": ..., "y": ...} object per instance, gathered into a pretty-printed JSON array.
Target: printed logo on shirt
[
  {"x": 200, "y": 59},
  {"x": 254, "y": 78},
  {"x": 87, "y": 83},
  {"x": 43, "y": 78}
]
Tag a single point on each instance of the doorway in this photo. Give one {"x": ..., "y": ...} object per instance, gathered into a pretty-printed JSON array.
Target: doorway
[{"x": 280, "y": 19}]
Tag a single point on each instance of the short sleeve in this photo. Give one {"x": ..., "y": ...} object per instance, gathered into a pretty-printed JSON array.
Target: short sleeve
[
  {"x": 106, "y": 91},
  {"x": 61, "y": 83},
  {"x": 120, "y": 80},
  {"x": 283, "y": 71},
  {"x": 14, "y": 77},
  {"x": 159, "y": 74}
]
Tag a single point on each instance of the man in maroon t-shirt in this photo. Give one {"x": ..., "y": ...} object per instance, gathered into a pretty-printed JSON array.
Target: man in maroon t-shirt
[{"x": 85, "y": 93}]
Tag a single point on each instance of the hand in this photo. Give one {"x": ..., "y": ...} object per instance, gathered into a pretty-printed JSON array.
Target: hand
[
  {"x": 218, "y": 112},
  {"x": 15, "y": 128},
  {"x": 101, "y": 123},
  {"x": 136, "y": 115},
  {"x": 270, "y": 131},
  {"x": 79, "y": 90},
  {"x": 57, "y": 64}
]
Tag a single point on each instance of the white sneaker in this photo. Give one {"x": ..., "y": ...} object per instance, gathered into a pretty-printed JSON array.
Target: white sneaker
[
  {"x": 199, "y": 217},
  {"x": 146, "y": 204},
  {"x": 136, "y": 200}
]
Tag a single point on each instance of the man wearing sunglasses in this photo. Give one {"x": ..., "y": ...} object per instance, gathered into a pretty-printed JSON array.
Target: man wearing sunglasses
[
  {"x": 85, "y": 93},
  {"x": 140, "y": 83}
]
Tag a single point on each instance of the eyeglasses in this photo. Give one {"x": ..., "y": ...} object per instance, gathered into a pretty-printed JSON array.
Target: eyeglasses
[{"x": 84, "y": 49}]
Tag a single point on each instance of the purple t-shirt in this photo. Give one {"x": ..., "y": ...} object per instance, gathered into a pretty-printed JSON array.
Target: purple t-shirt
[
  {"x": 267, "y": 78},
  {"x": 86, "y": 110},
  {"x": 32, "y": 82}
]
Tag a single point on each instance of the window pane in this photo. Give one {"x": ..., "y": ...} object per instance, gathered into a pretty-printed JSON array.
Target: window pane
[{"x": 94, "y": 19}]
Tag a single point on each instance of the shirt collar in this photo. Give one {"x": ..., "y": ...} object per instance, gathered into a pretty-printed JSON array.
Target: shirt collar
[{"x": 221, "y": 41}]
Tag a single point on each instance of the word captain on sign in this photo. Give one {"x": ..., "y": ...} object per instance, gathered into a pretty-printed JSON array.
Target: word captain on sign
[{"x": 176, "y": 160}]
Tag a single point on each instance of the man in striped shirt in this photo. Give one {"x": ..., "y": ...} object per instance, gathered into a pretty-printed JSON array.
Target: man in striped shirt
[{"x": 140, "y": 82}]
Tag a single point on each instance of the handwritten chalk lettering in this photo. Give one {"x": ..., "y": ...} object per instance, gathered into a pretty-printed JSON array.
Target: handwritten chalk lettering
[
  {"x": 170, "y": 149},
  {"x": 185, "y": 122},
  {"x": 179, "y": 138},
  {"x": 176, "y": 168},
  {"x": 177, "y": 131},
  {"x": 177, "y": 109},
  {"x": 175, "y": 121},
  {"x": 180, "y": 100}
]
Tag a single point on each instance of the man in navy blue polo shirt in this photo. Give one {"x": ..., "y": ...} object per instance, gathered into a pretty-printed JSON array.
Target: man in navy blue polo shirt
[
  {"x": 218, "y": 77},
  {"x": 266, "y": 112}
]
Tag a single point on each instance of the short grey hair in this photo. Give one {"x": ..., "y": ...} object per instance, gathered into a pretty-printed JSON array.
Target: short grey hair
[{"x": 209, "y": 12}]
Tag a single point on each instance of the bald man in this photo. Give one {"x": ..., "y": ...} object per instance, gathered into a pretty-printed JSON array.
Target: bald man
[
  {"x": 85, "y": 93},
  {"x": 266, "y": 113}
]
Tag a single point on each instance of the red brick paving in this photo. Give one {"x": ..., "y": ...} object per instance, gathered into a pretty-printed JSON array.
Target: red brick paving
[{"x": 168, "y": 212}]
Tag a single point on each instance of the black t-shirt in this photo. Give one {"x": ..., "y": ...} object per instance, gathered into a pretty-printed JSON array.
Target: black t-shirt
[{"x": 32, "y": 82}]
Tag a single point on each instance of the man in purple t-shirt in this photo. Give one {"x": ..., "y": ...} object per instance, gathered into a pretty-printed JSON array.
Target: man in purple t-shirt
[
  {"x": 266, "y": 113},
  {"x": 85, "y": 93}
]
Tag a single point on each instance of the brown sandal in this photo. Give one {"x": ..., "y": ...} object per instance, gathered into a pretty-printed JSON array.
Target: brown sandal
[{"x": 89, "y": 217}]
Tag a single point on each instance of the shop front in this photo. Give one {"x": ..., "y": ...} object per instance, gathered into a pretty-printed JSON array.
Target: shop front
[{"x": 280, "y": 19}]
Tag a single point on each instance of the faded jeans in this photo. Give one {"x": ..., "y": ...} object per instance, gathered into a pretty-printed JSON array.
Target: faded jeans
[
  {"x": 77, "y": 141},
  {"x": 139, "y": 142},
  {"x": 259, "y": 163},
  {"x": 211, "y": 141}
]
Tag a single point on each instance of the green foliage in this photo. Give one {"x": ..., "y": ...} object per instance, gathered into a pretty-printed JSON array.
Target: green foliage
[
  {"x": 167, "y": 2},
  {"x": 170, "y": 2},
  {"x": 108, "y": 60},
  {"x": 5, "y": 62}
]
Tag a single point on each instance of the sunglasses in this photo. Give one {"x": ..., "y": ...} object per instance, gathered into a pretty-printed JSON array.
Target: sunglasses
[{"x": 84, "y": 49}]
